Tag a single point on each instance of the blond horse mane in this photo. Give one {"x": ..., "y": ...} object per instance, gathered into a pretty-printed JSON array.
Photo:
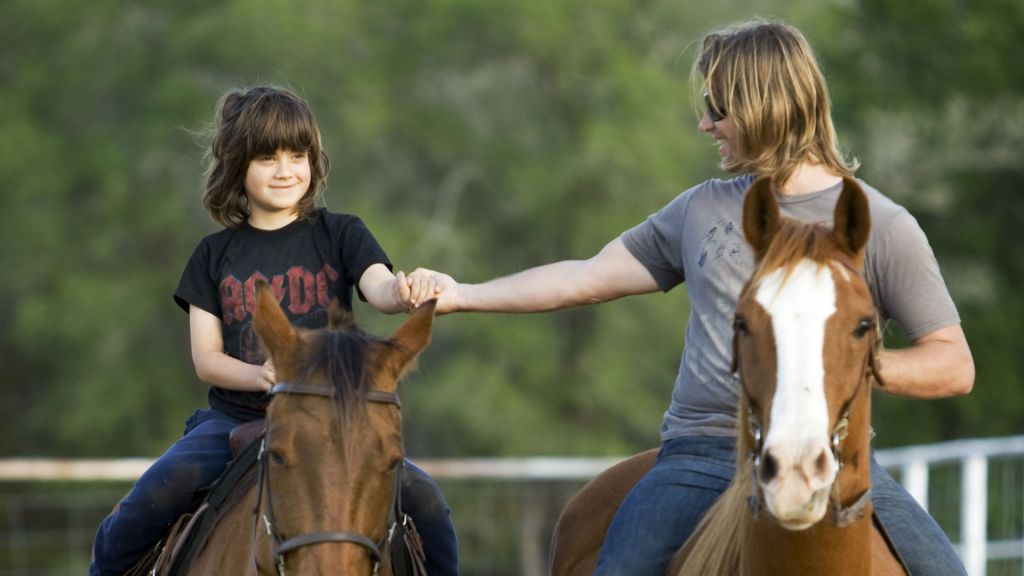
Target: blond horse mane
[{"x": 719, "y": 539}]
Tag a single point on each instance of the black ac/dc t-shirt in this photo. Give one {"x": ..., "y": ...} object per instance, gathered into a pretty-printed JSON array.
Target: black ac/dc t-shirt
[{"x": 308, "y": 264}]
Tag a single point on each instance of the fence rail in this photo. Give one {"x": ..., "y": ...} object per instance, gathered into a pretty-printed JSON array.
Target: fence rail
[
  {"x": 506, "y": 508},
  {"x": 973, "y": 458}
]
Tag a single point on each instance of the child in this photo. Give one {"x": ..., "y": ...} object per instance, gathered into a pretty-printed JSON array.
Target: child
[{"x": 265, "y": 184}]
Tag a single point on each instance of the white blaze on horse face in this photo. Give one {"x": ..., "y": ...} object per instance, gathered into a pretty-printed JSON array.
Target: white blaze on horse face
[{"x": 799, "y": 306}]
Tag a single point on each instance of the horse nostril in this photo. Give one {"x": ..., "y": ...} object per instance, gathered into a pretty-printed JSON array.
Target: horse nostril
[
  {"x": 769, "y": 467},
  {"x": 821, "y": 463}
]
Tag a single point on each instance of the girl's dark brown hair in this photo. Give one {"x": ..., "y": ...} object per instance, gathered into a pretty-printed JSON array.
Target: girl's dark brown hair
[{"x": 251, "y": 123}]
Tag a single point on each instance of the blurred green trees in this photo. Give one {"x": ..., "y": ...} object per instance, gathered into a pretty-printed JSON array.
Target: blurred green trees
[
  {"x": 477, "y": 137},
  {"x": 931, "y": 96}
]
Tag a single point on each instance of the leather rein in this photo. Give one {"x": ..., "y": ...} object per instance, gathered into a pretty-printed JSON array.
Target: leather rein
[{"x": 280, "y": 547}]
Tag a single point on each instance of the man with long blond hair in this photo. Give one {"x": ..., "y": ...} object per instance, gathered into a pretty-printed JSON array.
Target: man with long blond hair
[{"x": 768, "y": 108}]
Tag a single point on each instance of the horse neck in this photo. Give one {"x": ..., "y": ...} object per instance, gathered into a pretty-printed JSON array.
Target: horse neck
[
  {"x": 820, "y": 549},
  {"x": 824, "y": 548}
]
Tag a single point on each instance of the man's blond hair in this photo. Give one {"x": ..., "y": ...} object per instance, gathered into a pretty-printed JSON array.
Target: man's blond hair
[{"x": 765, "y": 77}]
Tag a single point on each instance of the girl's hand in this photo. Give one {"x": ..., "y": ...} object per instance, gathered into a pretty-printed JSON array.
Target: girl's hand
[
  {"x": 401, "y": 292},
  {"x": 267, "y": 376}
]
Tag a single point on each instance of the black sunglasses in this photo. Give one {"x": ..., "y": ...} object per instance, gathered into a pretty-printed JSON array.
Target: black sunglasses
[{"x": 716, "y": 114}]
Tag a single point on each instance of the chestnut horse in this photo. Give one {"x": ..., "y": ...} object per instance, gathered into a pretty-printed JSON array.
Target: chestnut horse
[
  {"x": 805, "y": 338},
  {"x": 325, "y": 499}
]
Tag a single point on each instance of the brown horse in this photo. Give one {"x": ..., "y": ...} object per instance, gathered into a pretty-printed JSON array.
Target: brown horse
[
  {"x": 805, "y": 337},
  {"x": 332, "y": 453}
]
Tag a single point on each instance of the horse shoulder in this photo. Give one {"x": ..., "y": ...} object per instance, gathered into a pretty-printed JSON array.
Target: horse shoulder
[{"x": 228, "y": 550}]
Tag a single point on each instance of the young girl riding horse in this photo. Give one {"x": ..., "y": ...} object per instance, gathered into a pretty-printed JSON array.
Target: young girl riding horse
[{"x": 265, "y": 185}]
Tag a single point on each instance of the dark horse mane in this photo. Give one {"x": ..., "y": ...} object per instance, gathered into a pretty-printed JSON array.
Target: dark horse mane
[{"x": 339, "y": 358}]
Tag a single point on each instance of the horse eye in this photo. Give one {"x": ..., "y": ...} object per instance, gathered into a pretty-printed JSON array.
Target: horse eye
[
  {"x": 863, "y": 327},
  {"x": 739, "y": 324},
  {"x": 277, "y": 458}
]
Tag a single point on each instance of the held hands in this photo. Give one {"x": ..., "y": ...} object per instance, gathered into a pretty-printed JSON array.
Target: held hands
[{"x": 422, "y": 285}]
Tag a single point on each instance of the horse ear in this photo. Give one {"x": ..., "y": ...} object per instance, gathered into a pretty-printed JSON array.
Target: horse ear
[
  {"x": 271, "y": 324},
  {"x": 852, "y": 221},
  {"x": 413, "y": 336},
  {"x": 760, "y": 216},
  {"x": 339, "y": 318}
]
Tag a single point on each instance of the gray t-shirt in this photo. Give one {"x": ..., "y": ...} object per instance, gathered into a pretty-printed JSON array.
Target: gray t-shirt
[{"x": 698, "y": 238}]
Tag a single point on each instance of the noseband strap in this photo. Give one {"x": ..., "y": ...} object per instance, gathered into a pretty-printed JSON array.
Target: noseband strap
[
  {"x": 279, "y": 547},
  {"x": 323, "y": 537},
  {"x": 843, "y": 516}
]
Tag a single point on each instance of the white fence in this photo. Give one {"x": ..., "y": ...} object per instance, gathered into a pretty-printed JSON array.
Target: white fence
[
  {"x": 505, "y": 508},
  {"x": 976, "y": 460}
]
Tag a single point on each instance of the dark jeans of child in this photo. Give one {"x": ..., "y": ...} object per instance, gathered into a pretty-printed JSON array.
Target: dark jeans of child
[{"x": 169, "y": 487}]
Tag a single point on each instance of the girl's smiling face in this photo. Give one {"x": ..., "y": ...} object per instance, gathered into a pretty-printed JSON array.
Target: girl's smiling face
[{"x": 274, "y": 184}]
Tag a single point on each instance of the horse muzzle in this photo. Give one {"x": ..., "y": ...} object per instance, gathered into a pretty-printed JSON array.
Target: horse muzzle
[{"x": 796, "y": 483}]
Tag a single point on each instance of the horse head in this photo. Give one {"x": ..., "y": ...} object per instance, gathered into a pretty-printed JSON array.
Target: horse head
[
  {"x": 333, "y": 448},
  {"x": 804, "y": 336}
]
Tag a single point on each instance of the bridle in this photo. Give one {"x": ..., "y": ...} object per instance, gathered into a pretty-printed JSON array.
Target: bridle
[
  {"x": 842, "y": 515},
  {"x": 279, "y": 547}
]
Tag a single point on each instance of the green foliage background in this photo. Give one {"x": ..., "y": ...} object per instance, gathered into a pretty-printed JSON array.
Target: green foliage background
[{"x": 477, "y": 137}]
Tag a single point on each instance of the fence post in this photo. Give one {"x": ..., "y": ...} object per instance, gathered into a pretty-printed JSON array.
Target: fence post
[
  {"x": 532, "y": 559},
  {"x": 974, "y": 514},
  {"x": 915, "y": 480}
]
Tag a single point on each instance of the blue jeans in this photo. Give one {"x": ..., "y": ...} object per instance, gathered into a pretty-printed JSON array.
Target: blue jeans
[
  {"x": 666, "y": 505},
  {"x": 169, "y": 488},
  {"x": 919, "y": 541},
  {"x": 424, "y": 502}
]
